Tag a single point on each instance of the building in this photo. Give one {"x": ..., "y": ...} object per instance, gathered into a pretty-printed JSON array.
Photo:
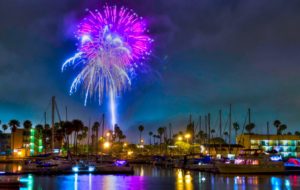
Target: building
[
  {"x": 26, "y": 143},
  {"x": 4, "y": 144},
  {"x": 286, "y": 145}
]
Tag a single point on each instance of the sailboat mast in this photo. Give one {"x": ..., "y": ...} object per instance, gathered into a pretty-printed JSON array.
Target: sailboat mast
[
  {"x": 52, "y": 122},
  {"x": 230, "y": 126},
  {"x": 208, "y": 122}
]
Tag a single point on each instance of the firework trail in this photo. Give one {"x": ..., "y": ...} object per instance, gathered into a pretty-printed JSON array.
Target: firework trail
[{"x": 112, "y": 44}]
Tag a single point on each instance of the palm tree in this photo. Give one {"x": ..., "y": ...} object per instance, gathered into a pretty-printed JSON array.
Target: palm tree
[
  {"x": 277, "y": 124},
  {"x": 161, "y": 131},
  {"x": 201, "y": 137},
  {"x": 4, "y": 127},
  {"x": 141, "y": 129},
  {"x": 150, "y": 134},
  {"x": 13, "y": 124},
  {"x": 249, "y": 127},
  {"x": 78, "y": 126},
  {"x": 39, "y": 130},
  {"x": 47, "y": 135},
  {"x": 226, "y": 135},
  {"x": 27, "y": 126},
  {"x": 95, "y": 130},
  {"x": 282, "y": 127},
  {"x": 68, "y": 130},
  {"x": 236, "y": 127},
  {"x": 212, "y": 133}
]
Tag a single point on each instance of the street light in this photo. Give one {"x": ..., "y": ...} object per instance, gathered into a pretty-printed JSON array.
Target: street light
[
  {"x": 187, "y": 136},
  {"x": 180, "y": 138},
  {"x": 106, "y": 145}
]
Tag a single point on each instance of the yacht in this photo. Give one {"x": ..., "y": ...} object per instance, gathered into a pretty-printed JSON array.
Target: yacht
[{"x": 252, "y": 161}]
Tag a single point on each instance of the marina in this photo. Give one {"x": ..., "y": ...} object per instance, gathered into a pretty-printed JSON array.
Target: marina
[{"x": 149, "y": 177}]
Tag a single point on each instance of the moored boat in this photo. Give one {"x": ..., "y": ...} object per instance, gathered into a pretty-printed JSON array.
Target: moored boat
[
  {"x": 255, "y": 163},
  {"x": 292, "y": 165}
]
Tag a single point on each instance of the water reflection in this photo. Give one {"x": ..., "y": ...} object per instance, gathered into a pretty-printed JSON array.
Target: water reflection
[
  {"x": 11, "y": 167},
  {"x": 149, "y": 177},
  {"x": 183, "y": 180}
]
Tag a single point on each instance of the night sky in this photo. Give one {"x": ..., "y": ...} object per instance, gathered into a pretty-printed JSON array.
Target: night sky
[{"x": 206, "y": 55}]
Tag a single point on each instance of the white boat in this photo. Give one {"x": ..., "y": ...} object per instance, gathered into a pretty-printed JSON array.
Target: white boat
[{"x": 251, "y": 163}]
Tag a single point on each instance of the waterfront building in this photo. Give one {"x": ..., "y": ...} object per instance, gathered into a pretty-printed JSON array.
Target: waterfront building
[
  {"x": 285, "y": 145},
  {"x": 4, "y": 144},
  {"x": 26, "y": 143}
]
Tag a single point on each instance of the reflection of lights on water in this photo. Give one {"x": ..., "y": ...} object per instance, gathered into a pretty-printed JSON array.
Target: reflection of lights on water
[
  {"x": 201, "y": 178},
  {"x": 180, "y": 176},
  {"x": 188, "y": 178},
  {"x": 75, "y": 181},
  {"x": 90, "y": 181},
  {"x": 276, "y": 183},
  {"x": 142, "y": 172},
  {"x": 287, "y": 184},
  {"x": 184, "y": 180},
  {"x": 28, "y": 181}
]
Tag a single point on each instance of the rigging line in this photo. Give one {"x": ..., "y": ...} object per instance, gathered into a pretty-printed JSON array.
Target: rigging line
[
  {"x": 242, "y": 129},
  {"x": 57, "y": 112}
]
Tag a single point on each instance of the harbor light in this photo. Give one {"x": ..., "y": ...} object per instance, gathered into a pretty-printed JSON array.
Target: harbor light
[
  {"x": 91, "y": 168},
  {"x": 187, "y": 136},
  {"x": 106, "y": 145},
  {"x": 75, "y": 169}
]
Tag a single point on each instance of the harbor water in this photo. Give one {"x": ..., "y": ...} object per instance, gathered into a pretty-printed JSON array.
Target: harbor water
[{"x": 155, "y": 178}]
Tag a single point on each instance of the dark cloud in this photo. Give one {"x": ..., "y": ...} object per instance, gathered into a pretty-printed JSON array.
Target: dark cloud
[{"x": 207, "y": 54}]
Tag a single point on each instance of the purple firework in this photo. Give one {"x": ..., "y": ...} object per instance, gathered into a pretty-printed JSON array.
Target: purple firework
[{"x": 112, "y": 43}]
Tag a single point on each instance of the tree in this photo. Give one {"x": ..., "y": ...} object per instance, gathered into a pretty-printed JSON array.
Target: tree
[
  {"x": 27, "y": 126},
  {"x": 277, "y": 124},
  {"x": 150, "y": 135},
  {"x": 47, "y": 136},
  {"x": 190, "y": 129},
  {"x": 39, "y": 130},
  {"x": 297, "y": 133},
  {"x": 236, "y": 127},
  {"x": 141, "y": 129},
  {"x": 161, "y": 131},
  {"x": 201, "y": 137},
  {"x": 282, "y": 127},
  {"x": 118, "y": 132},
  {"x": 13, "y": 124},
  {"x": 4, "y": 127},
  {"x": 95, "y": 136},
  {"x": 226, "y": 136},
  {"x": 68, "y": 129},
  {"x": 78, "y": 126},
  {"x": 249, "y": 127}
]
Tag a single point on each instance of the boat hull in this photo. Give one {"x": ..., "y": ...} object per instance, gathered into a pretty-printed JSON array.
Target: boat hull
[{"x": 248, "y": 169}]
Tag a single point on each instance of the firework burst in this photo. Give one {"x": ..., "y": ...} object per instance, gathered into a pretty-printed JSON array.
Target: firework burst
[{"x": 113, "y": 43}]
